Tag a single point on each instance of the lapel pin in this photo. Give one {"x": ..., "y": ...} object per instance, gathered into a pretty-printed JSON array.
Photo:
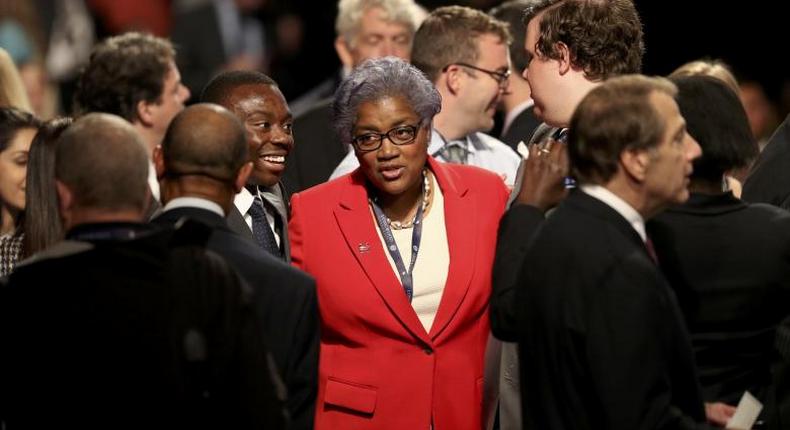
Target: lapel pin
[{"x": 364, "y": 247}]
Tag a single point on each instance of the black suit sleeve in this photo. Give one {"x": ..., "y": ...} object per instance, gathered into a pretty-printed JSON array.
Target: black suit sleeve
[
  {"x": 643, "y": 374},
  {"x": 302, "y": 371},
  {"x": 515, "y": 229}
]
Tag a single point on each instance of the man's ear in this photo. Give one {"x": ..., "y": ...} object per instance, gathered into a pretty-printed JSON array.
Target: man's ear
[
  {"x": 635, "y": 163},
  {"x": 65, "y": 197},
  {"x": 145, "y": 113},
  {"x": 242, "y": 176},
  {"x": 344, "y": 52},
  {"x": 159, "y": 162},
  {"x": 565, "y": 58},
  {"x": 452, "y": 78}
]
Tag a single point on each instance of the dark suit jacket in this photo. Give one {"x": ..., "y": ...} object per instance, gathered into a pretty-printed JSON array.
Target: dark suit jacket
[
  {"x": 239, "y": 226},
  {"x": 602, "y": 341},
  {"x": 380, "y": 368},
  {"x": 200, "y": 51},
  {"x": 522, "y": 128},
  {"x": 131, "y": 334},
  {"x": 729, "y": 264},
  {"x": 769, "y": 180},
  {"x": 317, "y": 150},
  {"x": 285, "y": 301}
]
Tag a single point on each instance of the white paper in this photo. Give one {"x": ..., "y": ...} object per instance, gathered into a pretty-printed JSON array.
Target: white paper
[{"x": 746, "y": 413}]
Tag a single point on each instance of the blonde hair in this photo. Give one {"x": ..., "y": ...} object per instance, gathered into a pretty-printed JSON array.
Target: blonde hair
[
  {"x": 714, "y": 68},
  {"x": 12, "y": 91},
  {"x": 350, "y": 12}
]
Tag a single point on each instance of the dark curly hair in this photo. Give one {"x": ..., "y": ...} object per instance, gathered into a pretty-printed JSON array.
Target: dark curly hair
[
  {"x": 122, "y": 71},
  {"x": 604, "y": 37}
]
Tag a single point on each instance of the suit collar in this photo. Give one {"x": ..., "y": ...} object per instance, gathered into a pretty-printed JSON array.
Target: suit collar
[
  {"x": 710, "y": 204},
  {"x": 601, "y": 210},
  {"x": 358, "y": 228},
  {"x": 202, "y": 215}
]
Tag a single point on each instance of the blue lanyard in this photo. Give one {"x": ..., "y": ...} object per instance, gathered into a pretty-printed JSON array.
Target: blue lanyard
[{"x": 416, "y": 234}]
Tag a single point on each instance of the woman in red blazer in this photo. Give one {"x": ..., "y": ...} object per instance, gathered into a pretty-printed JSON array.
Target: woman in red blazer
[{"x": 402, "y": 344}]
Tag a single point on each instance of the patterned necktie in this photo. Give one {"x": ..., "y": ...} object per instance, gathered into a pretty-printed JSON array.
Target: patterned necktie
[
  {"x": 455, "y": 152},
  {"x": 260, "y": 229}
]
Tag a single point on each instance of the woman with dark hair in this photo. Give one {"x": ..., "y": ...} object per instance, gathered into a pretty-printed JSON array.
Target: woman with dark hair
[
  {"x": 728, "y": 261},
  {"x": 42, "y": 225},
  {"x": 17, "y": 129},
  {"x": 401, "y": 250}
]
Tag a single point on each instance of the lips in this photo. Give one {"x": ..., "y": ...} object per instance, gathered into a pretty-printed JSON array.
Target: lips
[{"x": 391, "y": 173}]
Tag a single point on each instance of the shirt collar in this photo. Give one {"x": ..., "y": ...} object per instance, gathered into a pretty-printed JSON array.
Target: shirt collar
[
  {"x": 615, "y": 202},
  {"x": 473, "y": 143},
  {"x": 194, "y": 202}
]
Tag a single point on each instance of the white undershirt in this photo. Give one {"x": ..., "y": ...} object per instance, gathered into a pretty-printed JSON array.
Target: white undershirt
[{"x": 433, "y": 260}]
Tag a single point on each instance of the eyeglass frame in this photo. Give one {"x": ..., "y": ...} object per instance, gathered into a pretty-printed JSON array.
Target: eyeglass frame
[
  {"x": 501, "y": 78},
  {"x": 415, "y": 129}
]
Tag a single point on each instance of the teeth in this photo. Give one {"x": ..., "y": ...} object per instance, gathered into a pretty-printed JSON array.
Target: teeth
[{"x": 274, "y": 158}]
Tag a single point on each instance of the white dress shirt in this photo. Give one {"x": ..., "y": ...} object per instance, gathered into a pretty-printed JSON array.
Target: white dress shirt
[{"x": 618, "y": 204}]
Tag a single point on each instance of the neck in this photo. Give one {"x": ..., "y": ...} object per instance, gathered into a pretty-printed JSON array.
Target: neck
[
  {"x": 79, "y": 216},
  {"x": 632, "y": 193},
  {"x": 402, "y": 207},
  {"x": 198, "y": 186},
  {"x": 8, "y": 218},
  {"x": 449, "y": 121},
  {"x": 705, "y": 187},
  {"x": 150, "y": 137}
]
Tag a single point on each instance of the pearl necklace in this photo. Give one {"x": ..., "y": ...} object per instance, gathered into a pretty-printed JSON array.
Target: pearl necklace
[{"x": 426, "y": 195}]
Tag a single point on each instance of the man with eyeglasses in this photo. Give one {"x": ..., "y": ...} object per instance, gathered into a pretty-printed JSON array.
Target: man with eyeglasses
[{"x": 464, "y": 52}]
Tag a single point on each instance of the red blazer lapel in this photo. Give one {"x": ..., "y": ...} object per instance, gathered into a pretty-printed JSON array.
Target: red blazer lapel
[
  {"x": 358, "y": 228},
  {"x": 460, "y": 220}
]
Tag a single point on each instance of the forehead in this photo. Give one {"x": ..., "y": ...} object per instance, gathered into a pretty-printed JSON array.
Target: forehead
[
  {"x": 384, "y": 112},
  {"x": 257, "y": 97},
  {"x": 492, "y": 51},
  {"x": 533, "y": 30}
]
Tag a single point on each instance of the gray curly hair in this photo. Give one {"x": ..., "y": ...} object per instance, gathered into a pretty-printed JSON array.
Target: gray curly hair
[{"x": 376, "y": 79}]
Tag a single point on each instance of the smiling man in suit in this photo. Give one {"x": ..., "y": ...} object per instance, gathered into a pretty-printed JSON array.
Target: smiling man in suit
[
  {"x": 261, "y": 208},
  {"x": 202, "y": 164}
]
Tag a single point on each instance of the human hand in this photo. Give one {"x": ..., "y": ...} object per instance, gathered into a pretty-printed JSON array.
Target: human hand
[
  {"x": 543, "y": 183},
  {"x": 719, "y": 413}
]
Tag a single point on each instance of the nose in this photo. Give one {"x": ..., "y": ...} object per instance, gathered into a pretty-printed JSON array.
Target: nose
[
  {"x": 185, "y": 93},
  {"x": 693, "y": 150},
  {"x": 281, "y": 136},
  {"x": 387, "y": 150}
]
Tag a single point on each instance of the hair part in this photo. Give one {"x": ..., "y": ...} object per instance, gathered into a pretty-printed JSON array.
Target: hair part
[
  {"x": 123, "y": 71},
  {"x": 450, "y": 35},
  {"x": 616, "y": 116},
  {"x": 379, "y": 78},
  {"x": 104, "y": 162},
  {"x": 604, "y": 37},
  {"x": 11, "y": 121}
]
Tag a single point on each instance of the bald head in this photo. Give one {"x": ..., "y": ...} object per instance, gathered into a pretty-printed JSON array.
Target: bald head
[
  {"x": 104, "y": 163},
  {"x": 206, "y": 140}
]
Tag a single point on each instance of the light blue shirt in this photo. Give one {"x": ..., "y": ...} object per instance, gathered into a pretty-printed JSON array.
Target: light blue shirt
[{"x": 484, "y": 151}]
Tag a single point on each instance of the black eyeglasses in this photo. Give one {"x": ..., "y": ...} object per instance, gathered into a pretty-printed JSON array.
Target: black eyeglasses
[
  {"x": 501, "y": 78},
  {"x": 400, "y": 135}
]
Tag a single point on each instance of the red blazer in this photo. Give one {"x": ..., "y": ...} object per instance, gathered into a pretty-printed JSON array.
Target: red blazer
[{"x": 379, "y": 369}]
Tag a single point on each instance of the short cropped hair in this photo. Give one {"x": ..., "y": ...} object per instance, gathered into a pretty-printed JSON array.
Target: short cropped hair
[
  {"x": 716, "y": 119},
  {"x": 220, "y": 86},
  {"x": 350, "y": 12},
  {"x": 379, "y": 78},
  {"x": 104, "y": 162},
  {"x": 449, "y": 35},
  {"x": 123, "y": 71},
  {"x": 604, "y": 36},
  {"x": 617, "y": 115},
  {"x": 207, "y": 140}
]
